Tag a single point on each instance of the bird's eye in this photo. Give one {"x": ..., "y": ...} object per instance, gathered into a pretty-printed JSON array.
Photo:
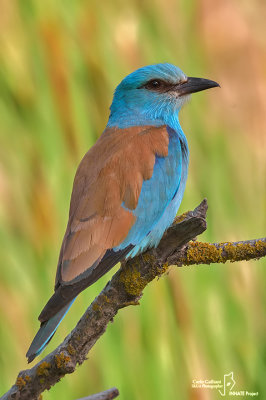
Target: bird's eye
[{"x": 154, "y": 84}]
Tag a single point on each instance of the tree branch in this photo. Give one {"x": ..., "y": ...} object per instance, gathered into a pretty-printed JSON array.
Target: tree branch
[
  {"x": 126, "y": 288},
  {"x": 106, "y": 395},
  {"x": 195, "y": 253}
]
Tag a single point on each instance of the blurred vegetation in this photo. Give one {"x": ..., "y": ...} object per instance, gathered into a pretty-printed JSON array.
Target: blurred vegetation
[{"x": 59, "y": 64}]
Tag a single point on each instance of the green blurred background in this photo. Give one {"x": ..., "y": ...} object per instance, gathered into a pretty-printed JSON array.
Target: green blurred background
[{"x": 59, "y": 64}]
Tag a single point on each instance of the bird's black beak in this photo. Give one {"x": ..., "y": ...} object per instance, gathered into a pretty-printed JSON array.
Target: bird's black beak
[{"x": 193, "y": 85}]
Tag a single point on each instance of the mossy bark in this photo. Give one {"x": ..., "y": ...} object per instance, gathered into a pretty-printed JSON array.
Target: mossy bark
[{"x": 126, "y": 288}]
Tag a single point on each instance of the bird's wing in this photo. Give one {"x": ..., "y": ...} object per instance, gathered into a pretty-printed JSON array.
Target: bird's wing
[{"x": 105, "y": 194}]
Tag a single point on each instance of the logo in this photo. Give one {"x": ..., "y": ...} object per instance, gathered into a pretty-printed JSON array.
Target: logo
[
  {"x": 229, "y": 383},
  {"x": 224, "y": 386}
]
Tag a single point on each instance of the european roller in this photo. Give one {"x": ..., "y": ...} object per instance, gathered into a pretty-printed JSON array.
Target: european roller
[{"x": 128, "y": 186}]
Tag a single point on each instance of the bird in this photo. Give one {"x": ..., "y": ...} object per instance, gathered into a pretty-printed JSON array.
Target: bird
[{"x": 128, "y": 187}]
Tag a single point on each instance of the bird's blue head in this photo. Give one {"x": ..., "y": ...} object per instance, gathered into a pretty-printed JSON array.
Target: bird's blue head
[{"x": 153, "y": 95}]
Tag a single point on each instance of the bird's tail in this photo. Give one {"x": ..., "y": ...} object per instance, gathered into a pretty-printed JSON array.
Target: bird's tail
[{"x": 46, "y": 332}]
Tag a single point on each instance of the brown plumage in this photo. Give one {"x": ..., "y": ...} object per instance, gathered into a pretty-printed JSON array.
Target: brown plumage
[{"x": 111, "y": 173}]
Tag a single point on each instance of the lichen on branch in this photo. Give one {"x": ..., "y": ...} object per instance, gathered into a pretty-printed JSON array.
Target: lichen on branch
[
  {"x": 208, "y": 253},
  {"x": 177, "y": 247}
]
